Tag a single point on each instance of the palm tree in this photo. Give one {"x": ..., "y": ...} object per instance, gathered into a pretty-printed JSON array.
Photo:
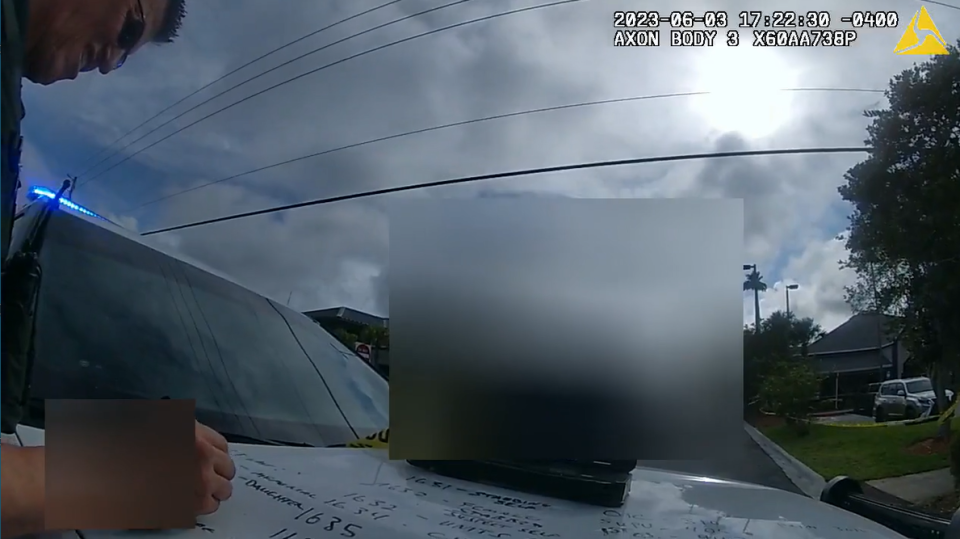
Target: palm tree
[{"x": 755, "y": 282}]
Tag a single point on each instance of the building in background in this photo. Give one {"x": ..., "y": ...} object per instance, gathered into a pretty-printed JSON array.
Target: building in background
[
  {"x": 366, "y": 334},
  {"x": 865, "y": 349}
]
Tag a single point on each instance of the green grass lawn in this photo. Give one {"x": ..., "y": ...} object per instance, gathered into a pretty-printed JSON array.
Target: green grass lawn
[{"x": 861, "y": 453}]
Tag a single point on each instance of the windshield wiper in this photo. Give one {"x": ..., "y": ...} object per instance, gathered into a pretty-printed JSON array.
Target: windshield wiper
[{"x": 603, "y": 483}]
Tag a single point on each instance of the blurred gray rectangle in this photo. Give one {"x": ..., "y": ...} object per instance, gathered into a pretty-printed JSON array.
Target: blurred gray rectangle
[
  {"x": 120, "y": 464},
  {"x": 565, "y": 328}
]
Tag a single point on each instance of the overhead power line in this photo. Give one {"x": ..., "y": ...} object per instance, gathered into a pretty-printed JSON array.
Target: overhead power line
[
  {"x": 468, "y": 122},
  {"x": 128, "y": 133},
  {"x": 511, "y": 174},
  {"x": 248, "y": 64},
  {"x": 944, "y": 4},
  {"x": 331, "y": 64},
  {"x": 262, "y": 73}
]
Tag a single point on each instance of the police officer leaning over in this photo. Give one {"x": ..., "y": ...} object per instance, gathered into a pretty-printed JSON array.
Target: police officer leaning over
[{"x": 47, "y": 41}]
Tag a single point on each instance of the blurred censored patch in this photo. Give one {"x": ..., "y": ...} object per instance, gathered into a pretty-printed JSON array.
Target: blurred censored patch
[
  {"x": 556, "y": 328},
  {"x": 120, "y": 464}
]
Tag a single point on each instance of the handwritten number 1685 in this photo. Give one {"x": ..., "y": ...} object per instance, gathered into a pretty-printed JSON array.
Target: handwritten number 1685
[{"x": 347, "y": 530}]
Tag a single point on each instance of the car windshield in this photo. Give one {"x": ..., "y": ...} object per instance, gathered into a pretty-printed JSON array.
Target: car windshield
[
  {"x": 118, "y": 320},
  {"x": 919, "y": 386}
]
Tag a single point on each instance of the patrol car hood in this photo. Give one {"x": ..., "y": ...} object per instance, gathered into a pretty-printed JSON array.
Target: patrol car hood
[{"x": 303, "y": 493}]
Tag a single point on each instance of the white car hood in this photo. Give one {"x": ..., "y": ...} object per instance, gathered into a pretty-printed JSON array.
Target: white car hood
[
  {"x": 359, "y": 493},
  {"x": 931, "y": 394}
]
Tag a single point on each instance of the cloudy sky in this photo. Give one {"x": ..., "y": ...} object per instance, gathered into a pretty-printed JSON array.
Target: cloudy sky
[{"x": 337, "y": 254}]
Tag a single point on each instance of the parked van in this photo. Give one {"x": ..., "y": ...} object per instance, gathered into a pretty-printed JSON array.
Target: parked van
[{"x": 905, "y": 398}]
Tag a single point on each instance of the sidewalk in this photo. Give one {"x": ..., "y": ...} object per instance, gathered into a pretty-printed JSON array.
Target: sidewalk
[
  {"x": 918, "y": 487},
  {"x": 909, "y": 488}
]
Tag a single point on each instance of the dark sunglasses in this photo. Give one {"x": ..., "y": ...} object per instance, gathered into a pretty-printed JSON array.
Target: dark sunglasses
[{"x": 132, "y": 32}]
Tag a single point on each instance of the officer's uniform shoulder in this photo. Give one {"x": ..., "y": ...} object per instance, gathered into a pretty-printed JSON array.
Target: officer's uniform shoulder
[{"x": 14, "y": 25}]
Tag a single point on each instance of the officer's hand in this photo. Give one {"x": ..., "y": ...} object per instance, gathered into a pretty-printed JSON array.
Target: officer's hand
[{"x": 216, "y": 469}]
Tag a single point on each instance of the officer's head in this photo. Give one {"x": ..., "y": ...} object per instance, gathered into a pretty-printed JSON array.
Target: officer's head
[{"x": 68, "y": 37}]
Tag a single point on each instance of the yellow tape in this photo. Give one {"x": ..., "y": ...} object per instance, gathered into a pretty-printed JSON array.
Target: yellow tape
[
  {"x": 904, "y": 423},
  {"x": 907, "y": 422},
  {"x": 949, "y": 412},
  {"x": 919, "y": 421},
  {"x": 377, "y": 440},
  {"x": 863, "y": 425}
]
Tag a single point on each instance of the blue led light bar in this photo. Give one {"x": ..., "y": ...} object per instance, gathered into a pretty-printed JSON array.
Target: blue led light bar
[{"x": 46, "y": 193}]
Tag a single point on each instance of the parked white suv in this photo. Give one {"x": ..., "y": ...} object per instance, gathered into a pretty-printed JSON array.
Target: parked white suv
[{"x": 906, "y": 398}]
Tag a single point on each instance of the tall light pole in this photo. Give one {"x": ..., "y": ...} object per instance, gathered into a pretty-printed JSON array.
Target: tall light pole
[{"x": 787, "y": 289}]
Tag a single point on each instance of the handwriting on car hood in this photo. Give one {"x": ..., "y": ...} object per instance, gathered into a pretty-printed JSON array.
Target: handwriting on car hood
[{"x": 312, "y": 493}]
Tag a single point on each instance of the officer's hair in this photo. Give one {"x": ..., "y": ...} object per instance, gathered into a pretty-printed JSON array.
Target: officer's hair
[{"x": 172, "y": 20}]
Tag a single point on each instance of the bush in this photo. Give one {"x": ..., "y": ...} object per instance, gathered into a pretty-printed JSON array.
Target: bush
[
  {"x": 787, "y": 389},
  {"x": 955, "y": 460}
]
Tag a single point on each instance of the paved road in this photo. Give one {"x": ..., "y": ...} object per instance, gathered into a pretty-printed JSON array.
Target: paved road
[{"x": 747, "y": 463}]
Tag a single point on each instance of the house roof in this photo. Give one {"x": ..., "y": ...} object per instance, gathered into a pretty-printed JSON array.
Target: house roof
[
  {"x": 865, "y": 331},
  {"x": 349, "y": 315},
  {"x": 865, "y": 360}
]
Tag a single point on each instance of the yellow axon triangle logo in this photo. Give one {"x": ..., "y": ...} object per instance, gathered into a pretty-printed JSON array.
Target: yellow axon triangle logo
[{"x": 921, "y": 37}]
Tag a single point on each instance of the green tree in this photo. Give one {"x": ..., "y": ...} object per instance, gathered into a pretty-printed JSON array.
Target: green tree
[
  {"x": 345, "y": 337},
  {"x": 754, "y": 282},
  {"x": 383, "y": 337},
  {"x": 782, "y": 337},
  {"x": 904, "y": 231},
  {"x": 377, "y": 337},
  {"x": 758, "y": 360},
  {"x": 789, "y": 391},
  {"x": 790, "y": 333}
]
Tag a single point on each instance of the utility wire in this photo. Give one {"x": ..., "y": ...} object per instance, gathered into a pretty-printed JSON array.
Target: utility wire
[
  {"x": 291, "y": 80},
  {"x": 942, "y": 4},
  {"x": 511, "y": 174},
  {"x": 209, "y": 84},
  {"x": 312, "y": 71},
  {"x": 257, "y": 76},
  {"x": 468, "y": 122}
]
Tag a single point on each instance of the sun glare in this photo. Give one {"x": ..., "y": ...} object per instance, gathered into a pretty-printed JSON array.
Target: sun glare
[{"x": 744, "y": 85}]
